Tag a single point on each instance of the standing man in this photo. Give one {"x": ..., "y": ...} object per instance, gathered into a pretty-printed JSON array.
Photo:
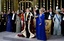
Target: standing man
[
  {"x": 27, "y": 27},
  {"x": 3, "y": 21},
  {"x": 62, "y": 21},
  {"x": 13, "y": 21},
  {"x": 0, "y": 22},
  {"x": 50, "y": 16},
  {"x": 28, "y": 16}
]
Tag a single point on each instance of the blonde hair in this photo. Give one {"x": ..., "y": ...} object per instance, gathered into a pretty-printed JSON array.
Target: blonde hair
[{"x": 41, "y": 10}]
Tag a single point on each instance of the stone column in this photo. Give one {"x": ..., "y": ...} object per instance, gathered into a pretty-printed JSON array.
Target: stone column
[
  {"x": 47, "y": 4},
  {"x": 0, "y": 5},
  {"x": 43, "y": 3},
  {"x": 54, "y": 5},
  {"x": 4, "y": 6},
  {"x": 15, "y": 5},
  {"x": 35, "y": 2},
  {"x": 61, "y": 4}
]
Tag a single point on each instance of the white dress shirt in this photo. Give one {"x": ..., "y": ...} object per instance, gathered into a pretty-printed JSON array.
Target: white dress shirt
[
  {"x": 50, "y": 15},
  {"x": 13, "y": 16}
]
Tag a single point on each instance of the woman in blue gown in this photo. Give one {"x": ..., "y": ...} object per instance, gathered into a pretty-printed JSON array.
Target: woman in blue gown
[
  {"x": 40, "y": 26},
  {"x": 9, "y": 22}
]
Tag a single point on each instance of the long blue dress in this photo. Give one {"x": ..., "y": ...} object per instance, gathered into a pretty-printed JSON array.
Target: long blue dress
[
  {"x": 9, "y": 23},
  {"x": 40, "y": 29}
]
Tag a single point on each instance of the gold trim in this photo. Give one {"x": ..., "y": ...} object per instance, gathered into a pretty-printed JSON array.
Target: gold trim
[
  {"x": 26, "y": 1},
  {"x": 15, "y": 5}
]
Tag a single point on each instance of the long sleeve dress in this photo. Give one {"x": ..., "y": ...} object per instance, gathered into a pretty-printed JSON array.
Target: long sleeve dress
[
  {"x": 18, "y": 24},
  {"x": 40, "y": 29},
  {"x": 57, "y": 24},
  {"x": 9, "y": 23}
]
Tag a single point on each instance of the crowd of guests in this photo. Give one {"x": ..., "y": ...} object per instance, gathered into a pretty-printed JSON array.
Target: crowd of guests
[{"x": 28, "y": 21}]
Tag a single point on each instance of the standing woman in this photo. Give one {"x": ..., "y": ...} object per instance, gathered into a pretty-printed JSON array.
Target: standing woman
[
  {"x": 18, "y": 22},
  {"x": 40, "y": 26},
  {"x": 57, "y": 23},
  {"x": 22, "y": 20},
  {"x": 9, "y": 22}
]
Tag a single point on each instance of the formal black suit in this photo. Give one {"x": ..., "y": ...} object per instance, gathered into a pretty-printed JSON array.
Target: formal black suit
[
  {"x": 0, "y": 23},
  {"x": 3, "y": 22},
  {"x": 37, "y": 12},
  {"x": 46, "y": 17},
  {"x": 13, "y": 23},
  {"x": 62, "y": 23}
]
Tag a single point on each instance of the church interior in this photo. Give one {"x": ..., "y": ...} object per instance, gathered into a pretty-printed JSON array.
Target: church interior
[
  {"x": 5, "y": 5},
  {"x": 15, "y": 5}
]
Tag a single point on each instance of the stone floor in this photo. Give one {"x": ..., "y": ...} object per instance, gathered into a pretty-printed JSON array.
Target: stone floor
[
  {"x": 2, "y": 34},
  {"x": 9, "y": 36}
]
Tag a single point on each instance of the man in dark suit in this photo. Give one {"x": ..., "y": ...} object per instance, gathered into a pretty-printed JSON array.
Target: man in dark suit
[
  {"x": 3, "y": 21},
  {"x": 46, "y": 14},
  {"x": 0, "y": 22},
  {"x": 49, "y": 16},
  {"x": 62, "y": 21},
  {"x": 13, "y": 21}
]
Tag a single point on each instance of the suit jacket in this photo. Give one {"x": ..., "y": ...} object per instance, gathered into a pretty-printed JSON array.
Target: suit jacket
[
  {"x": 14, "y": 17},
  {"x": 62, "y": 15},
  {"x": 47, "y": 15}
]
